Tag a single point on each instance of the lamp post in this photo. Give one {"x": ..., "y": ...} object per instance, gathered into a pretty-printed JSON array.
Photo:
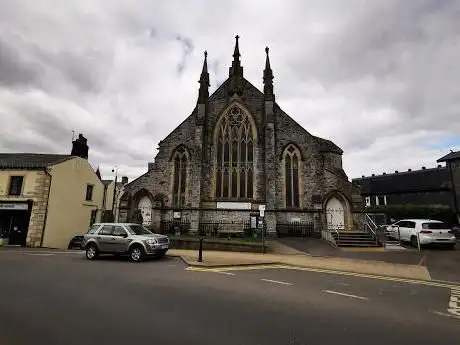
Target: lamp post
[{"x": 115, "y": 170}]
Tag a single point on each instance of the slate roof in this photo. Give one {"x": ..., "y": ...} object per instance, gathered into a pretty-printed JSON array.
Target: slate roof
[
  {"x": 450, "y": 156},
  {"x": 30, "y": 160},
  {"x": 404, "y": 182}
]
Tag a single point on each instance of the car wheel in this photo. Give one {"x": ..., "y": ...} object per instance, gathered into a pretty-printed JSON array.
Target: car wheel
[
  {"x": 136, "y": 253},
  {"x": 413, "y": 241},
  {"x": 91, "y": 251}
]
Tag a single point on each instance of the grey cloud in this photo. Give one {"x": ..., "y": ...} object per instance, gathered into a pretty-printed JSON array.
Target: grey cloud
[
  {"x": 187, "y": 49},
  {"x": 14, "y": 69}
]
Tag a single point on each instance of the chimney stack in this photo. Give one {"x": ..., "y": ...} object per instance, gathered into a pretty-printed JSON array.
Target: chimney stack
[
  {"x": 439, "y": 166},
  {"x": 423, "y": 168},
  {"x": 124, "y": 180},
  {"x": 409, "y": 169},
  {"x": 396, "y": 171},
  {"x": 80, "y": 147}
]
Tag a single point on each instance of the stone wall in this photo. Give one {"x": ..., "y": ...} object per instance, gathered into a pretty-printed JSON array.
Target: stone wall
[{"x": 38, "y": 214}]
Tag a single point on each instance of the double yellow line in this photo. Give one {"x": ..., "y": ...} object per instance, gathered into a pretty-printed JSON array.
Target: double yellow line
[{"x": 434, "y": 283}]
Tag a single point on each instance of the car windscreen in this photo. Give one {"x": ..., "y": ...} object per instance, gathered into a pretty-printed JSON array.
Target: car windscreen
[
  {"x": 93, "y": 229},
  {"x": 138, "y": 230},
  {"x": 435, "y": 226}
]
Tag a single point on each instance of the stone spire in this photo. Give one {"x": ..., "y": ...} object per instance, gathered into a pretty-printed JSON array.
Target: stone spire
[
  {"x": 268, "y": 79},
  {"x": 236, "y": 71},
  {"x": 203, "y": 93}
]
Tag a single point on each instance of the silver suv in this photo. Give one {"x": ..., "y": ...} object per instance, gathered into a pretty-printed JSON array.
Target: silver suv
[{"x": 124, "y": 238}]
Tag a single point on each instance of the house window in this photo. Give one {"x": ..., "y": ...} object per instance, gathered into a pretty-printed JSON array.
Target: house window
[
  {"x": 180, "y": 161},
  {"x": 381, "y": 200},
  {"x": 235, "y": 156},
  {"x": 89, "y": 192},
  {"x": 16, "y": 185},
  {"x": 368, "y": 201},
  {"x": 292, "y": 162}
]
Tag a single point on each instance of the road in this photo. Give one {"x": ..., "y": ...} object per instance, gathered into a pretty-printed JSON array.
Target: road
[{"x": 55, "y": 299}]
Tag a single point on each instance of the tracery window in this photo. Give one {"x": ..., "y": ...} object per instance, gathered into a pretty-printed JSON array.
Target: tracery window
[
  {"x": 235, "y": 156},
  {"x": 292, "y": 161},
  {"x": 180, "y": 166}
]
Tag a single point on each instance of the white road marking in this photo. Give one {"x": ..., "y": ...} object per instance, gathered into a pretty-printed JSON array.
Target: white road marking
[
  {"x": 454, "y": 303},
  {"x": 41, "y": 254},
  {"x": 227, "y": 273},
  {"x": 445, "y": 314},
  {"x": 276, "y": 282},
  {"x": 344, "y": 284},
  {"x": 345, "y": 294}
]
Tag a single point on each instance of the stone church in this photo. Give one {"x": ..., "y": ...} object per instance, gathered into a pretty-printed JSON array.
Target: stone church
[{"x": 238, "y": 150}]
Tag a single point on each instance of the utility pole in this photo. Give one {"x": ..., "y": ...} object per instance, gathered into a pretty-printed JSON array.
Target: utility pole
[{"x": 115, "y": 170}]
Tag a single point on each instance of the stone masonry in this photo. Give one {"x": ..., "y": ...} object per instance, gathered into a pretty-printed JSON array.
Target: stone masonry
[
  {"x": 320, "y": 167},
  {"x": 38, "y": 214}
]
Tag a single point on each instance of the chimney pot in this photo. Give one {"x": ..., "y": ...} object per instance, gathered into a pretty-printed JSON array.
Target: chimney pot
[
  {"x": 409, "y": 169},
  {"x": 363, "y": 176},
  {"x": 396, "y": 171},
  {"x": 423, "y": 168},
  {"x": 384, "y": 173},
  {"x": 373, "y": 174},
  {"x": 439, "y": 166}
]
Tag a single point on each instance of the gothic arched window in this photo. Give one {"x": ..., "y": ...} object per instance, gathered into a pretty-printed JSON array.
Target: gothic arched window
[
  {"x": 292, "y": 162},
  {"x": 235, "y": 156},
  {"x": 180, "y": 165}
]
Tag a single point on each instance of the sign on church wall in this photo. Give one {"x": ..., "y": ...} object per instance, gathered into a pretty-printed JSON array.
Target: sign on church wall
[{"x": 234, "y": 205}]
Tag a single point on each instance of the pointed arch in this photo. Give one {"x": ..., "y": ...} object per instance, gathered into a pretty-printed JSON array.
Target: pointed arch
[
  {"x": 235, "y": 139},
  {"x": 180, "y": 160},
  {"x": 292, "y": 164}
]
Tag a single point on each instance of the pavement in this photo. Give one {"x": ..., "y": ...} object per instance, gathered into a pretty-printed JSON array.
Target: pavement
[
  {"x": 59, "y": 297},
  {"x": 441, "y": 264},
  {"x": 216, "y": 259}
]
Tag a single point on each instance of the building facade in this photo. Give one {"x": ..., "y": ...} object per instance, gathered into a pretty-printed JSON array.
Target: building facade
[
  {"x": 46, "y": 199},
  {"x": 237, "y": 151},
  {"x": 425, "y": 187}
]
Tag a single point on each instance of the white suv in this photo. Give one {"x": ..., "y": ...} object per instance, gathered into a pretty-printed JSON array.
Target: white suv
[{"x": 428, "y": 231}]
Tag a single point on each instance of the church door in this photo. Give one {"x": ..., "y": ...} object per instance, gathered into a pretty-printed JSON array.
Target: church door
[
  {"x": 335, "y": 215},
  {"x": 145, "y": 205}
]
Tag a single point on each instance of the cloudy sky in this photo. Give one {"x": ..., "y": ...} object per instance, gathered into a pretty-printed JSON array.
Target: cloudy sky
[{"x": 379, "y": 78}]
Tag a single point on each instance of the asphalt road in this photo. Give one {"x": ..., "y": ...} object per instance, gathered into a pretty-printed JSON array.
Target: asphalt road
[{"x": 65, "y": 299}]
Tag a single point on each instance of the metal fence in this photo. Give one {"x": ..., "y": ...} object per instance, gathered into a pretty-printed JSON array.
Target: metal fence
[
  {"x": 173, "y": 226},
  {"x": 296, "y": 229},
  {"x": 239, "y": 228}
]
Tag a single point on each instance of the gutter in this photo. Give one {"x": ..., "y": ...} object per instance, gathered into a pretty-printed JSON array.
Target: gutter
[{"x": 46, "y": 209}]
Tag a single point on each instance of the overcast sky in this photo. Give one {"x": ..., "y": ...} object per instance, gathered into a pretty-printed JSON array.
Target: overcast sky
[{"x": 379, "y": 78}]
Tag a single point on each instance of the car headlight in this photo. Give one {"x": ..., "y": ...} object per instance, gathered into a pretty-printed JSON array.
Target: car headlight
[{"x": 151, "y": 241}]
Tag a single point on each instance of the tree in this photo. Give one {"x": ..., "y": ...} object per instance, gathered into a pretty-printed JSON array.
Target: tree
[
  {"x": 107, "y": 217},
  {"x": 136, "y": 217}
]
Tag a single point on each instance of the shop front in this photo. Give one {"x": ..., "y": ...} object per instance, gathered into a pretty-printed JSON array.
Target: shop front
[{"x": 14, "y": 221}]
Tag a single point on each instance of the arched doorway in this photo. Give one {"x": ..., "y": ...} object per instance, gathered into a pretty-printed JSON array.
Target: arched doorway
[
  {"x": 335, "y": 214},
  {"x": 145, "y": 205}
]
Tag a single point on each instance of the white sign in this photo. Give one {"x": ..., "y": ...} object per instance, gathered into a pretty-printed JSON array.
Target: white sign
[
  {"x": 16, "y": 206},
  {"x": 233, "y": 205},
  {"x": 261, "y": 210},
  {"x": 176, "y": 215}
]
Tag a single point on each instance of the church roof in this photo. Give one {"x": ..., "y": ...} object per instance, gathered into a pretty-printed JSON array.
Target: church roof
[{"x": 30, "y": 160}]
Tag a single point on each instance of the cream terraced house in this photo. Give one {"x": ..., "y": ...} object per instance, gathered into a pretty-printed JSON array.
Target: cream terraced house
[{"x": 46, "y": 199}]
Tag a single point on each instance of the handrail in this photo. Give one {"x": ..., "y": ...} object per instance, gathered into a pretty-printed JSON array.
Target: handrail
[
  {"x": 338, "y": 237},
  {"x": 372, "y": 230}
]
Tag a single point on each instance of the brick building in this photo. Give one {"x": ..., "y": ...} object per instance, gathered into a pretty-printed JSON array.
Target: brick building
[{"x": 237, "y": 150}]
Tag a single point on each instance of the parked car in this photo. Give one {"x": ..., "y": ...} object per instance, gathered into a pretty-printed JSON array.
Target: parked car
[
  {"x": 75, "y": 242},
  {"x": 428, "y": 232},
  {"x": 124, "y": 238},
  {"x": 456, "y": 231}
]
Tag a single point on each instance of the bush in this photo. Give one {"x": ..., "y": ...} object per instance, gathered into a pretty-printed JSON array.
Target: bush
[
  {"x": 136, "y": 217},
  {"x": 107, "y": 217},
  {"x": 435, "y": 212}
]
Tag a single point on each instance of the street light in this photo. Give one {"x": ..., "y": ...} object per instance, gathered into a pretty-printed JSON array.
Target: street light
[{"x": 115, "y": 170}]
